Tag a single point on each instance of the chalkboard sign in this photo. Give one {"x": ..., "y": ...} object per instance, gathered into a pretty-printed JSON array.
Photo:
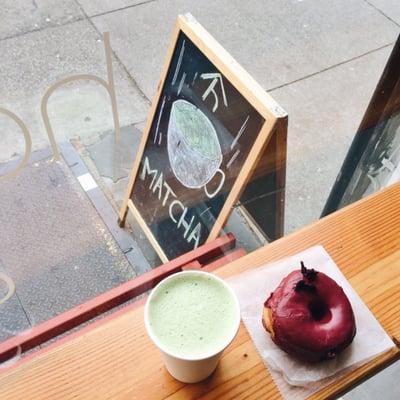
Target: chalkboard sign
[
  {"x": 373, "y": 160},
  {"x": 207, "y": 126}
]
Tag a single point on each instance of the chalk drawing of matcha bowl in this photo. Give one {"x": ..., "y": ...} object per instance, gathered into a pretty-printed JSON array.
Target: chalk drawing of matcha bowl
[{"x": 194, "y": 151}]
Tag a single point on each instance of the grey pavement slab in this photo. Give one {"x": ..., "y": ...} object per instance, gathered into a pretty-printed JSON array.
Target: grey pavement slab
[
  {"x": 113, "y": 161},
  {"x": 21, "y": 16},
  {"x": 12, "y": 316},
  {"x": 391, "y": 8},
  {"x": 113, "y": 158},
  {"x": 244, "y": 236},
  {"x": 276, "y": 41},
  {"x": 54, "y": 245},
  {"x": 118, "y": 188},
  {"x": 381, "y": 386},
  {"x": 33, "y": 62},
  {"x": 94, "y": 7},
  {"x": 64, "y": 284},
  {"x": 105, "y": 207},
  {"x": 12, "y": 320},
  {"x": 325, "y": 111}
]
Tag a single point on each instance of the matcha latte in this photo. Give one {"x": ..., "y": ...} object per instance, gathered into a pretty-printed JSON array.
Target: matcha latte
[{"x": 192, "y": 315}]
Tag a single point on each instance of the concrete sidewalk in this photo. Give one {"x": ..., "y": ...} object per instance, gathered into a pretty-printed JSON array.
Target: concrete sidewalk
[{"x": 319, "y": 59}]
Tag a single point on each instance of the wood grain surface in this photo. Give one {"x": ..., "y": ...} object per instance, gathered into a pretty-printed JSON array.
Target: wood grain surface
[{"x": 116, "y": 360}]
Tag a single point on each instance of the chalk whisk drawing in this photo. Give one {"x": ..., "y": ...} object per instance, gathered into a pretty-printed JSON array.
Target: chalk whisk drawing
[{"x": 194, "y": 151}]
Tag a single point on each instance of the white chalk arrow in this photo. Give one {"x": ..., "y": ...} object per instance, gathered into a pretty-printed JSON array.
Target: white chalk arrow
[{"x": 215, "y": 78}]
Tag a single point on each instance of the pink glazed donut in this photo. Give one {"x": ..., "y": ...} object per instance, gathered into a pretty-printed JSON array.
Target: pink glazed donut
[{"x": 309, "y": 316}]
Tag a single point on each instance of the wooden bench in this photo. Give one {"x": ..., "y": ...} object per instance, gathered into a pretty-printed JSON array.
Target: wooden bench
[
  {"x": 114, "y": 358},
  {"x": 206, "y": 257}
]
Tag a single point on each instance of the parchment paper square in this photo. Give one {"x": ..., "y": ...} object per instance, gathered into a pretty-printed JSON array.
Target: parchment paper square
[{"x": 296, "y": 379}]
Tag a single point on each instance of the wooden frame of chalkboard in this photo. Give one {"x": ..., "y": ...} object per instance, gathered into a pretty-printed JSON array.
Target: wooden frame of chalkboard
[{"x": 198, "y": 81}]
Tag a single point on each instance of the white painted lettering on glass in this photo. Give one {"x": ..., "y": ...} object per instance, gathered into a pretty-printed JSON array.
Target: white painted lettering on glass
[
  {"x": 216, "y": 77},
  {"x": 221, "y": 183},
  {"x": 167, "y": 193},
  {"x": 240, "y": 133},
  {"x": 388, "y": 164},
  {"x": 147, "y": 171},
  {"x": 194, "y": 77},
  {"x": 233, "y": 158},
  {"x": 188, "y": 224},
  {"x": 178, "y": 64},
  {"x": 158, "y": 123},
  {"x": 181, "y": 83},
  {"x": 171, "y": 209}
]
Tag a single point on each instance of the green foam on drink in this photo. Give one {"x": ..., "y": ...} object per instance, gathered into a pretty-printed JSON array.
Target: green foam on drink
[{"x": 192, "y": 315}]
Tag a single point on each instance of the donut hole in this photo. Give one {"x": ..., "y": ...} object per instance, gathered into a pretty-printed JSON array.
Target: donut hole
[{"x": 319, "y": 310}]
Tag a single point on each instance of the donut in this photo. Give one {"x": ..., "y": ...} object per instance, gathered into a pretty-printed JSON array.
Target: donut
[{"x": 309, "y": 316}]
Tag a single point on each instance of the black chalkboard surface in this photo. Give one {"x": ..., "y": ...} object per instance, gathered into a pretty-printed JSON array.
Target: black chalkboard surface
[{"x": 203, "y": 136}]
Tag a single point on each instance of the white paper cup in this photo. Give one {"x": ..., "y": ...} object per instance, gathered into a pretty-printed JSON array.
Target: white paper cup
[{"x": 192, "y": 369}]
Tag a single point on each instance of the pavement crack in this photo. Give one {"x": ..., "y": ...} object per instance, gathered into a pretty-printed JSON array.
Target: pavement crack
[
  {"x": 329, "y": 68},
  {"x": 115, "y": 181},
  {"x": 119, "y": 9},
  {"x": 43, "y": 28},
  {"x": 382, "y": 13},
  {"x": 131, "y": 78},
  {"x": 31, "y": 323},
  {"x": 129, "y": 75}
]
